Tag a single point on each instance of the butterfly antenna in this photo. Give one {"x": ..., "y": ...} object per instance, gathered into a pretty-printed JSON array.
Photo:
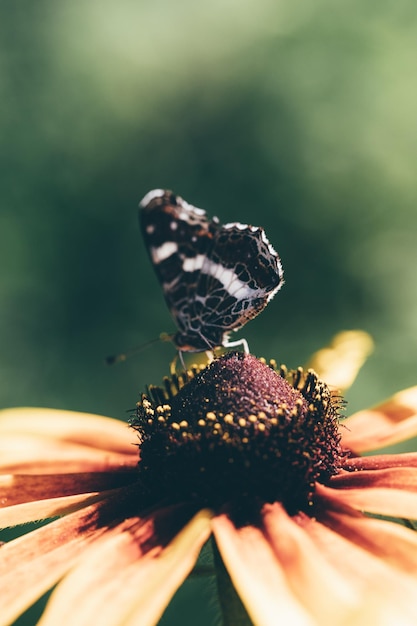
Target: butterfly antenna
[{"x": 118, "y": 358}]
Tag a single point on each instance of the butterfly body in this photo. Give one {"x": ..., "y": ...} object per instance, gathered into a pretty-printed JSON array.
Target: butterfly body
[{"x": 215, "y": 278}]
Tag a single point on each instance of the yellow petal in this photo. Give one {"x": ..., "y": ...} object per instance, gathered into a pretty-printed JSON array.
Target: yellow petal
[
  {"x": 96, "y": 431},
  {"x": 32, "y": 564},
  {"x": 379, "y": 500},
  {"x": 27, "y": 453},
  {"x": 388, "y": 423},
  {"x": 120, "y": 581},
  {"x": 176, "y": 562},
  {"x": 257, "y": 575},
  {"x": 339, "y": 364}
]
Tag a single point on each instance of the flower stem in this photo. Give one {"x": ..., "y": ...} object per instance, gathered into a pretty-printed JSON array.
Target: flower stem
[{"x": 233, "y": 611}]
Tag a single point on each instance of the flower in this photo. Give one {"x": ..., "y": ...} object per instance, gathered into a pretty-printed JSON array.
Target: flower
[{"x": 242, "y": 450}]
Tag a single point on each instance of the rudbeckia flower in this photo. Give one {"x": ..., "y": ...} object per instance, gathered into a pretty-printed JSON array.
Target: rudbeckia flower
[{"x": 241, "y": 450}]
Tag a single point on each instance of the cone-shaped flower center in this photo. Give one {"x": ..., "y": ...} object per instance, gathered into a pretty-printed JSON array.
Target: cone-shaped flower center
[{"x": 237, "y": 434}]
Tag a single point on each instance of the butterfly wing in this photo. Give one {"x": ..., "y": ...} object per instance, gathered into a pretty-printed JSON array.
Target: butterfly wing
[
  {"x": 214, "y": 278},
  {"x": 178, "y": 237},
  {"x": 239, "y": 276}
]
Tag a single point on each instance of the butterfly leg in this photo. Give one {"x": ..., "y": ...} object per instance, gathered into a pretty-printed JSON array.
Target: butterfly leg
[
  {"x": 181, "y": 359},
  {"x": 238, "y": 342},
  {"x": 210, "y": 356}
]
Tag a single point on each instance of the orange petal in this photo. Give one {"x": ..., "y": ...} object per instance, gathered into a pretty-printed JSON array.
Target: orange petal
[
  {"x": 391, "y": 542},
  {"x": 23, "y": 454},
  {"x": 257, "y": 575},
  {"x": 95, "y": 431},
  {"x": 404, "y": 478},
  {"x": 44, "y": 509},
  {"x": 380, "y": 461},
  {"x": 32, "y": 564},
  {"x": 15, "y": 489},
  {"x": 387, "y": 594},
  {"x": 308, "y": 573},
  {"x": 392, "y": 421},
  {"x": 121, "y": 580},
  {"x": 379, "y": 500}
]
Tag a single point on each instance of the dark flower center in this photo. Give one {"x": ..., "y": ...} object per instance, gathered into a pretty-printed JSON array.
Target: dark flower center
[{"x": 237, "y": 434}]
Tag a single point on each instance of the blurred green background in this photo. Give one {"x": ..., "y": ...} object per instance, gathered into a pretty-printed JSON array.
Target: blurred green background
[
  {"x": 300, "y": 117},
  {"x": 297, "y": 116}
]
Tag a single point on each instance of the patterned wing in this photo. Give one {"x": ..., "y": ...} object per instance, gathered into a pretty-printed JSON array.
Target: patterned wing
[
  {"x": 239, "y": 276},
  {"x": 178, "y": 237},
  {"x": 214, "y": 278}
]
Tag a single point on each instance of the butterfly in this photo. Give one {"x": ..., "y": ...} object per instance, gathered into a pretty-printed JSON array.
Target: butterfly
[{"x": 215, "y": 277}]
